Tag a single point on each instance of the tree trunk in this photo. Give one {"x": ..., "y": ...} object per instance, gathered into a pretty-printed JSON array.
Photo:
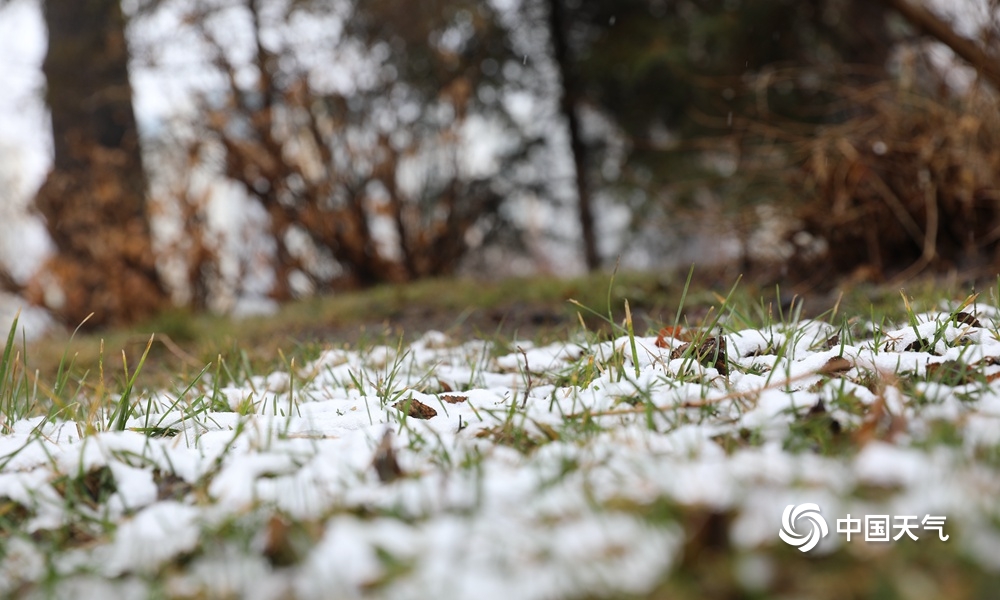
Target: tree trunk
[
  {"x": 567, "y": 105},
  {"x": 94, "y": 199}
]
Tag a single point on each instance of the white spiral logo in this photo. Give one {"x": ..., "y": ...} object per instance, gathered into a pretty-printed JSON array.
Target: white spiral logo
[{"x": 803, "y": 541}]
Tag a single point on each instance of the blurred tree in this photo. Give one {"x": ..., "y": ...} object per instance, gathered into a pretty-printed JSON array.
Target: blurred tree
[
  {"x": 743, "y": 115},
  {"x": 910, "y": 182},
  {"x": 93, "y": 199},
  {"x": 654, "y": 61},
  {"x": 682, "y": 80},
  {"x": 569, "y": 95},
  {"x": 357, "y": 144}
]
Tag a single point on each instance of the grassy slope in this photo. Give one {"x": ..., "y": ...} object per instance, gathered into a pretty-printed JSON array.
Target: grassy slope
[{"x": 533, "y": 308}]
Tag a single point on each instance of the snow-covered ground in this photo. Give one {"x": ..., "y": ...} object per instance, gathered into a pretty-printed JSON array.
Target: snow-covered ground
[{"x": 529, "y": 479}]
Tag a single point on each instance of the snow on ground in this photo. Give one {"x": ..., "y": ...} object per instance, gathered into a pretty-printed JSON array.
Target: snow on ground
[{"x": 524, "y": 483}]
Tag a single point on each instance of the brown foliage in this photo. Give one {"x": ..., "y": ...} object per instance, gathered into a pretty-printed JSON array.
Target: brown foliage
[
  {"x": 908, "y": 184},
  {"x": 105, "y": 263},
  {"x": 323, "y": 169}
]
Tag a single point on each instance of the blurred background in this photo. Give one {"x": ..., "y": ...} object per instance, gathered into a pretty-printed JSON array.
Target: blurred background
[{"x": 228, "y": 155}]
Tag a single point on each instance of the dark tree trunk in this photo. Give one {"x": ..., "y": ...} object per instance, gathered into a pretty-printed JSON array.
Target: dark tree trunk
[
  {"x": 94, "y": 199},
  {"x": 567, "y": 105}
]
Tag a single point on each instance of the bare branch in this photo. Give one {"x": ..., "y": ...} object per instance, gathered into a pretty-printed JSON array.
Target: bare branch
[{"x": 932, "y": 25}]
